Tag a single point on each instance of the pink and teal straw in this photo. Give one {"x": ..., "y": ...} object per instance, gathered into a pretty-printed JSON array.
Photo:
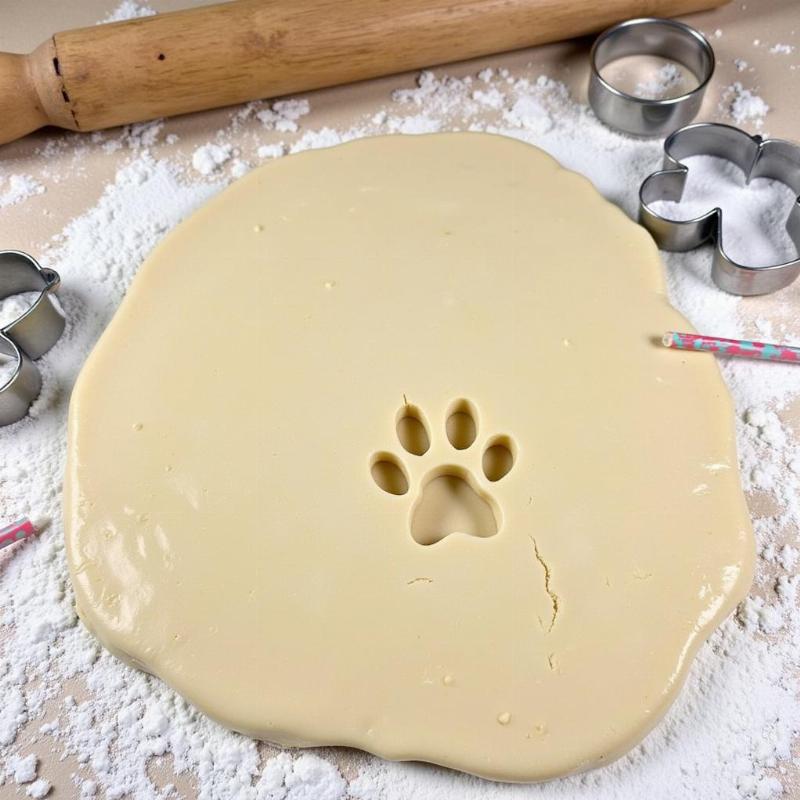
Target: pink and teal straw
[
  {"x": 16, "y": 532},
  {"x": 741, "y": 348}
]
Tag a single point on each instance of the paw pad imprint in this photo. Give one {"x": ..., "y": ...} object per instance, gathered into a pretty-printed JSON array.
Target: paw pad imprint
[{"x": 450, "y": 499}]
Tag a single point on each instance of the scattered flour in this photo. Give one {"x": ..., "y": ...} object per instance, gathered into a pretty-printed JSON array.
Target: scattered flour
[
  {"x": 788, "y": 557},
  {"x": 38, "y": 789},
  {"x": 491, "y": 98},
  {"x": 419, "y": 123},
  {"x": 729, "y": 734},
  {"x": 239, "y": 168},
  {"x": 271, "y": 150},
  {"x": 128, "y": 9},
  {"x": 743, "y": 106},
  {"x": 210, "y": 157},
  {"x": 23, "y": 770},
  {"x": 782, "y": 49},
  {"x": 17, "y": 188},
  {"x": 668, "y": 78},
  {"x": 440, "y": 97},
  {"x": 283, "y": 115},
  {"x": 529, "y": 113}
]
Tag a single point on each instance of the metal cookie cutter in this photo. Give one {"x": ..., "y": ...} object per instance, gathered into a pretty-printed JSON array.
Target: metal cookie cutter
[
  {"x": 758, "y": 158},
  {"x": 29, "y": 336},
  {"x": 653, "y": 37}
]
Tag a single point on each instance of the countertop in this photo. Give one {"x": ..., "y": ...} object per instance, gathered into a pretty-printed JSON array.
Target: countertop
[{"x": 75, "y": 181}]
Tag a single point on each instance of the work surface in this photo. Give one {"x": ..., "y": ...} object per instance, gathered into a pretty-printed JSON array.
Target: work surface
[{"x": 108, "y": 198}]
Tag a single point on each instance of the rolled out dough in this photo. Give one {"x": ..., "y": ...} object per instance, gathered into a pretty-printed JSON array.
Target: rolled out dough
[{"x": 380, "y": 451}]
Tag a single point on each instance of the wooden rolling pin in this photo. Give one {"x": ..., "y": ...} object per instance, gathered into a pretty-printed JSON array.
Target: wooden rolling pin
[{"x": 213, "y": 56}]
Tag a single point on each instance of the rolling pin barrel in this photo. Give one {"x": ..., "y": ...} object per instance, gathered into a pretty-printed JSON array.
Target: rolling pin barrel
[{"x": 185, "y": 61}]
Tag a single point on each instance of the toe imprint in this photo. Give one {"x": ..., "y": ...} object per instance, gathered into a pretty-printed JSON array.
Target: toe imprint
[{"x": 449, "y": 497}]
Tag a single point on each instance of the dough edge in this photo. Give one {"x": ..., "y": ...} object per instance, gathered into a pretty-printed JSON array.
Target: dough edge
[{"x": 279, "y": 731}]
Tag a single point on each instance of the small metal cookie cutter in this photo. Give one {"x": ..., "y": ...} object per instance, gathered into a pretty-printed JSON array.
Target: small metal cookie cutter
[
  {"x": 29, "y": 336},
  {"x": 650, "y": 36},
  {"x": 758, "y": 158}
]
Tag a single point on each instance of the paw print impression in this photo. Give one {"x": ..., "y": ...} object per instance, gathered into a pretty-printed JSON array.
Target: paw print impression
[{"x": 452, "y": 494}]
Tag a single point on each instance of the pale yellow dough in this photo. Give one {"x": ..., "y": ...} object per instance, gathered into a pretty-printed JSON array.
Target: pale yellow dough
[{"x": 224, "y": 528}]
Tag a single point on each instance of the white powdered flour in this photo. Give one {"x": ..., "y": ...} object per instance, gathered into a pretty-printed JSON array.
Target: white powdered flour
[
  {"x": 743, "y": 106},
  {"x": 210, "y": 157},
  {"x": 17, "y": 188},
  {"x": 728, "y": 736},
  {"x": 128, "y": 9}
]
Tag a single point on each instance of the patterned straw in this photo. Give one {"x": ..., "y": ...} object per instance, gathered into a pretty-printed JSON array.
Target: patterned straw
[
  {"x": 733, "y": 347},
  {"x": 16, "y": 532}
]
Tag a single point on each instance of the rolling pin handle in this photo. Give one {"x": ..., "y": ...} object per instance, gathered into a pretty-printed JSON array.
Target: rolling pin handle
[
  {"x": 32, "y": 93},
  {"x": 20, "y": 109}
]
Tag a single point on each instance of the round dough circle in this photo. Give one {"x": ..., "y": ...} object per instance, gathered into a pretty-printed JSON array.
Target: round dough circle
[{"x": 236, "y": 522}]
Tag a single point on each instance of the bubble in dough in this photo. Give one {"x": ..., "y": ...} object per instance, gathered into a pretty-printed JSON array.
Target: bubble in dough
[{"x": 381, "y": 450}]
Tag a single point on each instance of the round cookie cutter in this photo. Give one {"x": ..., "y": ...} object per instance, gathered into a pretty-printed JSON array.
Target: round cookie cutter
[{"x": 650, "y": 36}]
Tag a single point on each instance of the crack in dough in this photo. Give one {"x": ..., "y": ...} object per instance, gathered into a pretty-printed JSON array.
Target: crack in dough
[{"x": 550, "y": 593}]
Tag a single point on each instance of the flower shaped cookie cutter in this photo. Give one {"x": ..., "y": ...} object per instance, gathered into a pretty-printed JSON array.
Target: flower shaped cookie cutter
[
  {"x": 30, "y": 335},
  {"x": 757, "y": 158}
]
